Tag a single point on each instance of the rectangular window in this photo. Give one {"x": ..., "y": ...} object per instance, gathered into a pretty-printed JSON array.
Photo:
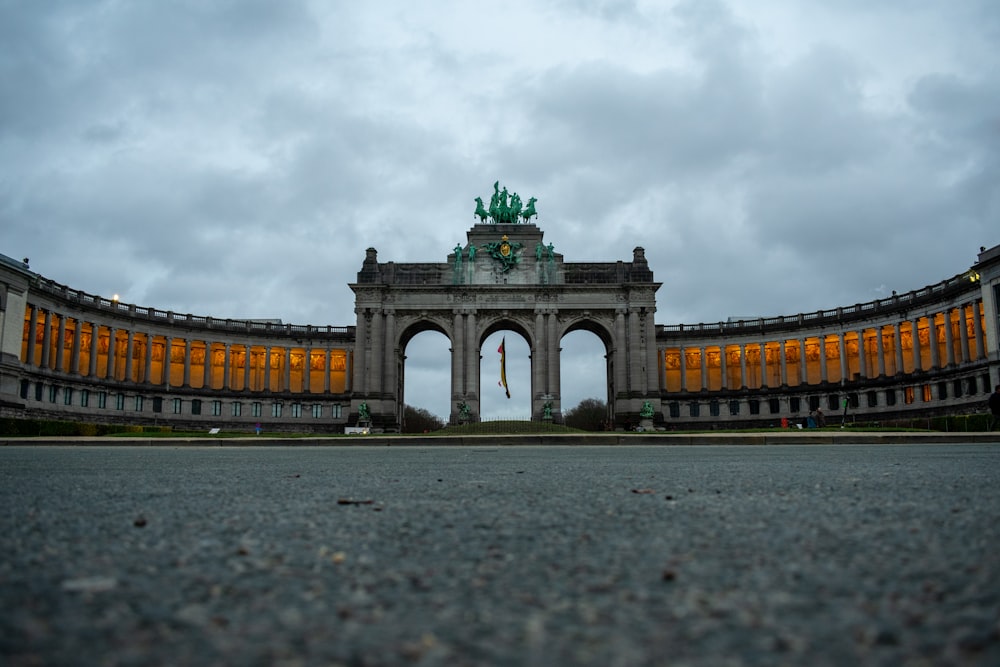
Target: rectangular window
[
  {"x": 972, "y": 387},
  {"x": 157, "y": 404},
  {"x": 139, "y": 403},
  {"x": 276, "y": 409},
  {"x": 794, "y": 404},
  {"x": 255, "y": 409},
  {"x": 872, "y": 399},
  {"x": 833, "y": 402},
  {"x": 178, "y": 404},
  {"x": 754, "y": 406},
  {"x": 713, "y": 408},
  {"x": 119, "y": 401},
  {"x": 53, "y": 392},
  {"x": 925, "y": 393},
  {"x": 317, "y": 410},
  {"x": 24, "y": 388},
  {"x": 908, "y": 395},
  {"x": 958, "y": 388},
  {"x": 695, "y": 409},
  {"x": 296, "y": 410},
  {"x": 813, "y": 403},
  {"x": 734, "y": 408},
  {"x": 890, "y": 397},
  {"x": 774, "y": 405},
  {"x": 675, "y": 409},
  {"x": 942, "y": 390},
  {"x": 237, "y": 409},
  {"x": 196, "y": 406},
  {"x": 67, "y": 396},
  {"x": 102, "y": 399},
  {"x": 216, "y": 408},
  {"x": 84, "y": 398},
  {"x": 39, "y": 388},
  {"x": 337, "y": 411}
]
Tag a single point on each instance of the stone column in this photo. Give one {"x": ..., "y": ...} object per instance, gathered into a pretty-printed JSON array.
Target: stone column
[
  {"x": 109, "y": 372},
  {"x": 784, "y": 362},
  {"x": 763, "y": 365},
  {"x": 844, "y": 366},
  {"x": 862, "y": 355},
  {"x": 621, "y": 345},
  {"x": 552, "y": 386},
  {"x": 326, "y": 372},
  {"x": 743, "y": 366},
  {"x": 824, "y": 374},
  {"x": 206, "y": 380},
  {"x": 880, "y": 349},
  {"x": 803, "y": 364},
  {"x": 246, "y": 367},
  {"x": 932, "y": 339},
  {"x": 897, "y": 345},
  {"x": 391, "y": 353},
  {"x": 977, "y": 329},
  {"x": 147, "y": 373},
  {"x": 457, "y": 356},
  {"x": 47, "y": 339},
  {"x": 95, "y": 347},
  {"x": 32, "y": 334},
  {"x": 187, "y": 362},
  {"x": 704, "y": 368},
  {"x": 963, "y": 334},
  {"x": 60, "y": 343},
  {"x": 683, "y": 368},
  {"x": 128, "y": 355},
  {"x": 723, "y": 366},
  {"x": 287, "y": 375},
  {"x": 226, "y": 366},
  {"x": 470, "y": 343},
  {"x": 168, "y": 348},
  {"x": 949, "y": 338},
  {"x": 267, "y": 368},
  {"x": 915, "y": 339},
  {"x": 74, "y": 364}
]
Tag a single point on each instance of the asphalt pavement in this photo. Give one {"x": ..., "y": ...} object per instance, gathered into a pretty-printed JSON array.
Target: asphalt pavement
[{"x": 846, "y": 554}]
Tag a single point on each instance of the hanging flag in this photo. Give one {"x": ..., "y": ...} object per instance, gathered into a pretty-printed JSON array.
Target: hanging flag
[{"x": 503, "y": 365}]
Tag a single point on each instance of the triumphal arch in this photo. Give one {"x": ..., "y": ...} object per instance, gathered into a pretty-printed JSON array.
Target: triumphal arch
[{"x": 506, "y": 278}]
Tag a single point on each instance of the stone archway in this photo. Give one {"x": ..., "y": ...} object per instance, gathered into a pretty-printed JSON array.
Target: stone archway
[{"x": 505, "y": 277}]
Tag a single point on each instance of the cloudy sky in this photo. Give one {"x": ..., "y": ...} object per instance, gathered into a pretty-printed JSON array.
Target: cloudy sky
[{"x": 236, "y": 158}]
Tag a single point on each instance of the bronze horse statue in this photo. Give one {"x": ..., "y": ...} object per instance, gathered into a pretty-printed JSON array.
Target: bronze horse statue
[{"x": 529, "y": 210}]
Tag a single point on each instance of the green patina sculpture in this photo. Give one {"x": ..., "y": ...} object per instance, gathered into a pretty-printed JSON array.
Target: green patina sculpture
[
  {"x": 539, "y": 249},
  {"x": 505, "y": 208},
  {"x": 547, "y": 411},
  {"x": 363, "y": 414},
  {"x": 504, "y": 252},
  {"x": 647, "y": 410},
  {"x": 464, "y": 411},
  {"x": 472, "y": 253}
]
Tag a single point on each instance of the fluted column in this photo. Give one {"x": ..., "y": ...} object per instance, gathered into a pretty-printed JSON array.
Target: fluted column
[
  {"x": 246, "y": 366},
  {"x": 206, "y": 378},
  {"x": 824, "y": 374},
  {"x": 307, "y": 370},
  {"x": 552, "y": 347},
  {"x": 723, "y": 366},
  {"x": 391, "y": 354},
  {"x": 470, "y": 344},
  {"x": 267, "y": 368},
  {"x": 168, "y": 349},
  {"x": 743, "y": 366},
  {"x": 621, "y": 344},
  {"x": 287, "y": 375}
]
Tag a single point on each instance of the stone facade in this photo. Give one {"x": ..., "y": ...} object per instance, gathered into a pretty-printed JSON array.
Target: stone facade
[{"x": 65, "y": 354}]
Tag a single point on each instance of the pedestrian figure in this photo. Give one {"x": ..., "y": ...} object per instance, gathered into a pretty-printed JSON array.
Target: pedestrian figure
[
  {"x": 820, "y": 418},
  {"x": 258, "y": 428},
  {"x": 995, "y": 407}
]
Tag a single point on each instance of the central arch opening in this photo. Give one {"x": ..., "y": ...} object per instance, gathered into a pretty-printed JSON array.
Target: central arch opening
[{"x": 493, "y": 401}]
